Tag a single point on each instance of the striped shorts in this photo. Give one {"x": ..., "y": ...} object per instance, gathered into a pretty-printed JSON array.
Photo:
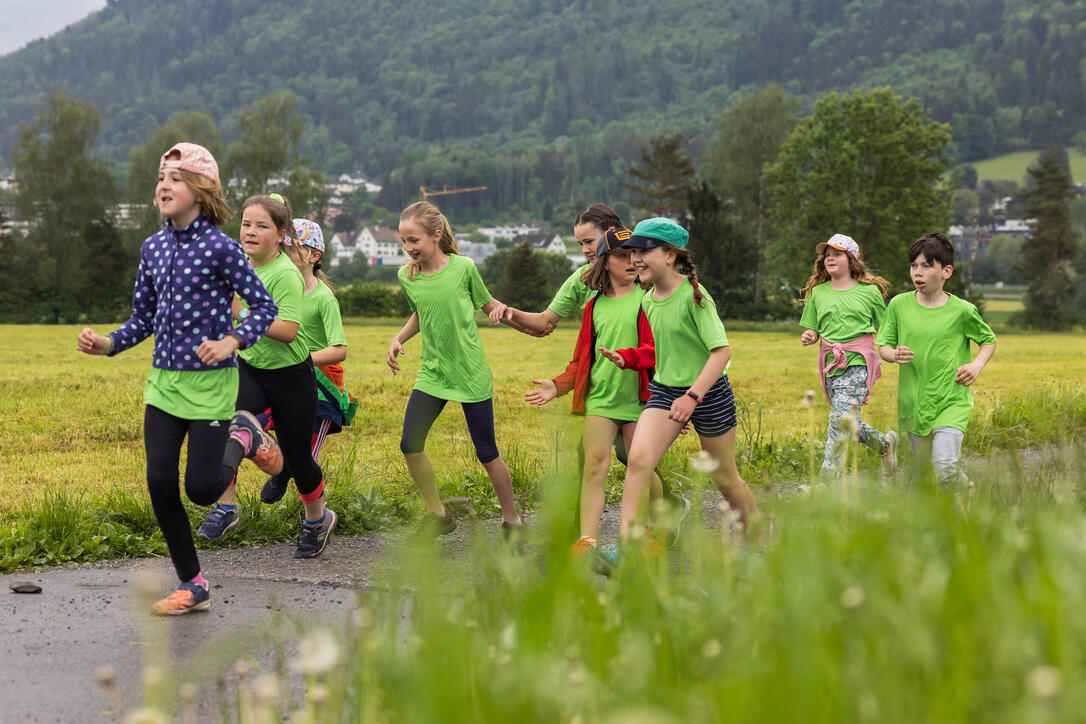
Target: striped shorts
[{"x": 713, "y": 416}]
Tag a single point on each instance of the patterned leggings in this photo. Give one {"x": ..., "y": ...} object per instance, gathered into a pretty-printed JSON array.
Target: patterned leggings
[{"x": 844, "y": 389}]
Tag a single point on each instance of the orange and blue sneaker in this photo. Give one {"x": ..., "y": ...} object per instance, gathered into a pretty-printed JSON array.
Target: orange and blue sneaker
[
  {"x": 262, "y": 449},
  {"x": 655, "y": 542},
  {"x": 189, "y": 596}
]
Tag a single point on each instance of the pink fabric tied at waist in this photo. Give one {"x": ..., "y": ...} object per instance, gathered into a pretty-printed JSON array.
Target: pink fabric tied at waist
[{"x": 863, "y": 345}]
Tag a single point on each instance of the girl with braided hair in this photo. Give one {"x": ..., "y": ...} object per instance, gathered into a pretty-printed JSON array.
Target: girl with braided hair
[{"x": 691, "y": 382}]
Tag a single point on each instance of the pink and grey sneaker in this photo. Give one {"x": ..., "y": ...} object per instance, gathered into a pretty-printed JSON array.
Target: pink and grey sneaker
[{"x": 262, "y": 449}]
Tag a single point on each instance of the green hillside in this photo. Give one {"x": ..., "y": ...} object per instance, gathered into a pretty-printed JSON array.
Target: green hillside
[
  {"x": 1012, "y": 166},
  {"x": 382, "y": 80}
]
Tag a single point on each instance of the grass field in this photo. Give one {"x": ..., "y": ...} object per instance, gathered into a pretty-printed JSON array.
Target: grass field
[
  {"x": 1012, "y": 166},
  {"x": 73, "y": 423}
]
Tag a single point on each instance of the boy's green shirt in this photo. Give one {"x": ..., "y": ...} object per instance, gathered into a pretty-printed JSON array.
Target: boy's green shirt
[{"x": 927, "y": 395}]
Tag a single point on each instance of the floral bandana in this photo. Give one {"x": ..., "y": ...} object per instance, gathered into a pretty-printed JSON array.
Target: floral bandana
[{"x": 309, "y": 233}]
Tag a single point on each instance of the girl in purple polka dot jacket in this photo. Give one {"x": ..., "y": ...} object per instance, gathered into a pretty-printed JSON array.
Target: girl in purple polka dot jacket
[{"x": 188, "y": 275}]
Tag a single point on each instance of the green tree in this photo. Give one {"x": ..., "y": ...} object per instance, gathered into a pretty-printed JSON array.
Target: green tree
[
  {"x": 664, "y": 179},
  {"x": 65, "y": 192},
  {"x": 999, "y": 262},
  {"x": 748, "y": 140},
  {"x": 964, "y": 176},
  {"x": 525, "y": 283},
  {"x": 1049, "y": 253},
  {"x": 869, "y": 165}
]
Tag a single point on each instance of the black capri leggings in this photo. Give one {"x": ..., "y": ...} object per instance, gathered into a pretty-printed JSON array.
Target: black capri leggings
[
  {"x": 207, "y": 475},
  {"x": 291, "y": 393},
  {"x": 422, "y": 411}
]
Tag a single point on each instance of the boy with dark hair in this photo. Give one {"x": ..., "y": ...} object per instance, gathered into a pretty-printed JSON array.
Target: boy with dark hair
[{"x": 928, "y": 332}]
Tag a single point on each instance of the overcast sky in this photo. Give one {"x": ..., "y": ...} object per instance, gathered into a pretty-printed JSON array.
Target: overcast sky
[{"x": 24, "y": 20}]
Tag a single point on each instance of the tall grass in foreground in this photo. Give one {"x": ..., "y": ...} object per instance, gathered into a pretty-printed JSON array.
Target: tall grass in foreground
[{"x": 903, "y": 603}]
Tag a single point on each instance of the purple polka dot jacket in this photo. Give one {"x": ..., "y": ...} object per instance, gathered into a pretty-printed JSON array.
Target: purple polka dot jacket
[{"x": 184, "y": 286}]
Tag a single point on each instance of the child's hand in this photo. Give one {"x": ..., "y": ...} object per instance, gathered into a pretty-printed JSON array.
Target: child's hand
[
  {"x": 614, "y": 357},
  {"x": 808, "y": 337},
  {"x": 497, "y": 312},
  {"x": 394, "y": 350},
  {"x": 681, "y": 410},
  {"x": 91, "y": 342},
  {"x": 212, "y": 352},
  {"x": 902, "y": 354},
  {"x": 967, "y": 374},
  {"x": 542, "y": 394}
]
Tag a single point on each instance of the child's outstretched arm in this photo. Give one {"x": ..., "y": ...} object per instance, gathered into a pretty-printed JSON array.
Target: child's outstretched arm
[
  {"x": 537, "y": 324},
  {"x": 541, "y": 395},
  {"x": 683, "y": 408},
  {"x": 409, "y": 330},
  {"x": 329, "y": 355},
  {"x": 967, "y": 374}
]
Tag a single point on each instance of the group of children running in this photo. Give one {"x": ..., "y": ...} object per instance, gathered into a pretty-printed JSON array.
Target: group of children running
[{"x": 651, "y": 358}]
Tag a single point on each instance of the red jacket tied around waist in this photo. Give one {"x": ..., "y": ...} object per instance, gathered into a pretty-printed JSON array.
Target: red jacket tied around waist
[{"x": 641, "y": 358}]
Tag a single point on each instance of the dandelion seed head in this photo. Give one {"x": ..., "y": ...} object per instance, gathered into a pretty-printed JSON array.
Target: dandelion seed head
[
  {"x": 852, "y": 597},
  {"x": 1044, "y": 681},
  {"x": 809, "y": 398},
  {"x": 317, "y": 652},
  {"x": 711, "y": 649},
  {"x": 703, "y": 462},
  {"x": 267, "y": 689}
]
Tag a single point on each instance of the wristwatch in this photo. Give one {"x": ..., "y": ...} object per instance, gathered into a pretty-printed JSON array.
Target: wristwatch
[
  {"x": 694, "y": 396},
  {"x": 243, "y": 314}
]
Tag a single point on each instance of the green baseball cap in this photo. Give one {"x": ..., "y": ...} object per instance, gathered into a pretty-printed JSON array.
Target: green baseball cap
[{"x": 653, "y": 232}]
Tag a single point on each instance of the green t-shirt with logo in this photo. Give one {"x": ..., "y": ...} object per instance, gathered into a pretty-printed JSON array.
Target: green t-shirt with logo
[
  {"x": 572, "y": 295},
  {"x": 322, "y": 325},
  {"x": 193, "y": 394},
  {"x": 685, "y": 334},
  {"x": 927, "y": 396},
  {"x": 286, "y": 285},
  {"x": 612, "y": 392},
  {"x": 452, "y": 365},
  {"x": 842, "y": 316}
]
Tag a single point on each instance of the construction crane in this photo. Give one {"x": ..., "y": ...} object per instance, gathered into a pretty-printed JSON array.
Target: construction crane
[{"x": 445, "y": 191}]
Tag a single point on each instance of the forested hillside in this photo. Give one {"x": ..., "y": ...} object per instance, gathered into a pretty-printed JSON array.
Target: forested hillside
[{"x": 383, "y": 80}]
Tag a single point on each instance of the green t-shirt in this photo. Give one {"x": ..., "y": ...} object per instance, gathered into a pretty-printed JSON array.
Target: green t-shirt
[
  {"x": 927, "y": 396},
  {"x": 321, "y": 324},
  {"x": 286, "y": 285},
  {"x": 572, "y": 295},
  {"x": 842, "y": 316},
  {"x": 452, "y": 365},
  {"x": 612, "y": 392},
  {"x": 193, "y": 394},
  {"x": 685, "y": 334}
]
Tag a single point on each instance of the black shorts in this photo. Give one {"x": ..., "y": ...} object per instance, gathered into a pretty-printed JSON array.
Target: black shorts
[{"x": 713, "y": 416}]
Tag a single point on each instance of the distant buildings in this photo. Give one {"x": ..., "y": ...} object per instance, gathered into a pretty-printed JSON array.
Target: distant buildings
[{"x": 379, "y": 245}]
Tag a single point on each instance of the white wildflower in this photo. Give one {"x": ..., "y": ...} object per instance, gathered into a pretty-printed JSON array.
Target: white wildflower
[
  {"x": 317, "y": 652},
  {"x": 703, "y": 462}
]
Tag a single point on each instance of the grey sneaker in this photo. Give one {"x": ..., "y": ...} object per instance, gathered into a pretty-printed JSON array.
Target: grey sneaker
[
  {"x": 314, "y": 538},
  {"x": 889, "y": 454}
]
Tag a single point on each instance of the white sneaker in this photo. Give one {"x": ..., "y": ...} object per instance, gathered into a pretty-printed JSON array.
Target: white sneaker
[{"x": 889, "y": 454}]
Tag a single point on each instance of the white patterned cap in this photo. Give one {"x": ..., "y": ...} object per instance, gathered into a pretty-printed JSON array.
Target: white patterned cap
[
  {"x": 309, "y": 233},
  {"x": 842, "y": 243}
]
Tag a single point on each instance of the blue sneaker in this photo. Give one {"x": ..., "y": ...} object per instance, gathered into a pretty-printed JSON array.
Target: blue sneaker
[
  {"x": 217, "y": 523},
  {"x": 606, "y": 559},
  {"x": 314, "y": 538}
]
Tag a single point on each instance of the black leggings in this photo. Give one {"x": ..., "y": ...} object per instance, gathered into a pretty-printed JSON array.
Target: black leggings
[
  {"x": 291, "y": 393},
  {"x": 207, "y": 475},
  {"x": 422, "y": 411}
]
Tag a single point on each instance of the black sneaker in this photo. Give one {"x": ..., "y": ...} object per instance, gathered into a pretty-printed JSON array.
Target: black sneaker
[
  {"x": 314, "y": 538},
  {"x": 274, "y": 488},
  {"x": 434, "y": 525}
]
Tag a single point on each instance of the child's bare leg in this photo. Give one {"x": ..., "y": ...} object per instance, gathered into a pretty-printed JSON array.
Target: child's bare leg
[
  {"x": 654, "y": 434},
  {"x": 422, "y": 472},
  {"x": 599, "y": 434},
  {"x": 502, "y": 480},
  {"x": 726, "y": 476},
  {"x": 656, "y": 485}
]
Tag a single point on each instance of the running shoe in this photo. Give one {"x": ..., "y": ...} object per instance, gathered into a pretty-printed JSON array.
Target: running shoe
[
  {"x": 263, "y": 450},
  {"x": 274, "y": 488},
  {"x": 583, "y": 546},
  {"x": 314, "y": 538},
  {"x": 189, "y": 596},
  {"x": 434, "y": 525},
  {"x": 606, "y": 558},
  {"x": 889, "y": 454},
  {"x": 655, "y": 542},
  {"x": 217, "y": 523}
]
